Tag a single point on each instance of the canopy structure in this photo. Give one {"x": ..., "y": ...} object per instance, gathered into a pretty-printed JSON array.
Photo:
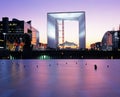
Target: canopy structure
[{"x": 67, "y": 44}]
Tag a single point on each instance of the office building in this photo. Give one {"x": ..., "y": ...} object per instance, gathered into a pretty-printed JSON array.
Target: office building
[
  {"x": 111, "y": 41},
  {"x": 12, "y": 32},
  {"x": 56, "y": 29}
]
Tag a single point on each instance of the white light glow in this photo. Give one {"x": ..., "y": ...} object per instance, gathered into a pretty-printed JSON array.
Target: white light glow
[
  {"x": 51, "y": 31},
  {"x": 66, "y": 15}
]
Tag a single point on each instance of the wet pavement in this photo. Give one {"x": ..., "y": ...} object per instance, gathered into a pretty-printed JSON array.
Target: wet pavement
[{"x": 59, "y": 78}]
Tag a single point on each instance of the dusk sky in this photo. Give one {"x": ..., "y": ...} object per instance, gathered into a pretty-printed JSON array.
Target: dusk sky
[{"x": 101, "y": 15}]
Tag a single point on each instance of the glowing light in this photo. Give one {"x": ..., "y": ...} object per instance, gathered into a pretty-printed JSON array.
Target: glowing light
[
  {"x": 66, "y": 15},
  {"x": 44, "y": 57}
]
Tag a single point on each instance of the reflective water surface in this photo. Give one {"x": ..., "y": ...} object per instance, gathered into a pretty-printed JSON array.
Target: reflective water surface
[{"x": 59, "y": 78}]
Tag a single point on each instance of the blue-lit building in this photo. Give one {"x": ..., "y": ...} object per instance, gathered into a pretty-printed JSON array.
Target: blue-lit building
[
  {"x": 53, "y": 32},
  {"x": 12, "y": 32},
  {"x": 111, "y": 41}
]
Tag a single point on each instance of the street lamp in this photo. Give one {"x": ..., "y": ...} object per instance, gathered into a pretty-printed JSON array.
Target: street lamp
[{"x": 4, "y": 40}]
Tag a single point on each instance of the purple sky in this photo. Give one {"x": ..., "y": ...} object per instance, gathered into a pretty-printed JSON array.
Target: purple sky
[{"x": 101, "y": 15}]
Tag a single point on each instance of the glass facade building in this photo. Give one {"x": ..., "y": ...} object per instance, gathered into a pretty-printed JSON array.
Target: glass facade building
[{"x": 111, "y": 41}]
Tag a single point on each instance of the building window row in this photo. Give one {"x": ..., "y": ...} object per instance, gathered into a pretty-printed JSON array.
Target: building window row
[
  {"x": 12, "y": 24},
  {"x": 1, "y": 24}
]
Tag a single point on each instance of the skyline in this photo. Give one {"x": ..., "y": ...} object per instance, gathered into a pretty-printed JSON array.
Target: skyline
[{"x": 101, "y": 15}]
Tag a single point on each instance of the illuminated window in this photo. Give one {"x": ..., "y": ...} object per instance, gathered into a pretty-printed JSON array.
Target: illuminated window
[
  {"x": 9, "y": 31},
  {"x": 60, "y": 30},
  {"x": 10, "y": 24},
  {"x": 1, "y": 24},
  {"x": 14, "y": 24}
]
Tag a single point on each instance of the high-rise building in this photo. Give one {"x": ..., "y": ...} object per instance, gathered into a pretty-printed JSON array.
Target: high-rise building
[
  {"x": 56, "y": 28},
  {"x": 12, "y": 32}
]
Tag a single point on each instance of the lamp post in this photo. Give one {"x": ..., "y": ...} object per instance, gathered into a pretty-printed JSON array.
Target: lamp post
[{"x": 4, "y": 40}]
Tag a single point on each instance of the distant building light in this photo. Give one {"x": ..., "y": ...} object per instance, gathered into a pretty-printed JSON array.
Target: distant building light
[
  {"x": 14, "y": 24},
  {"x": 1, "y": 47}
]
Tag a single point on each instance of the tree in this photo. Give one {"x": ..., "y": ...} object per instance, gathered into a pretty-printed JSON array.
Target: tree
[{"x": 27, "y": 48}]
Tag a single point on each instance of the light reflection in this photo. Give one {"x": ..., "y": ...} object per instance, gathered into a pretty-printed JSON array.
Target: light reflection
[
  {"x": 61, "y": 78},
  {"x": 69, "y": 78},
  {"x": 44, "y": 57}
]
